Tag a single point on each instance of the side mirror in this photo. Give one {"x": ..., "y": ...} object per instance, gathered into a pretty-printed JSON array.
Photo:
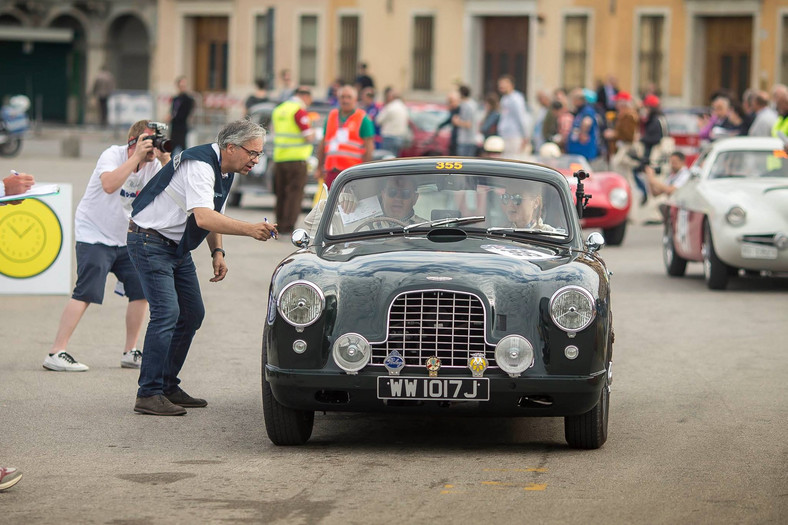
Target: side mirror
[
  {"x": 595, "y": 242},
  {"x": 300, "y": 238},
  {"x": 694, "y": 172}
]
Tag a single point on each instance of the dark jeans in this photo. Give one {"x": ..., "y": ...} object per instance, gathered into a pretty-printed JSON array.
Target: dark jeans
[
  {"x": 289, "y": 181},
  {"x": 176, "y": 310}
]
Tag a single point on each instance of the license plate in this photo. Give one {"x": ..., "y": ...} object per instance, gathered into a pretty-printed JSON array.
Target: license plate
[
  {"x": 434, "y": 388},
  {"x": 758, "y": 251}
]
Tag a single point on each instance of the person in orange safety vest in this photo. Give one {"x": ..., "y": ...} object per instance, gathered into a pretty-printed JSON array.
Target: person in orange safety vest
[{"x": 348, "y": 138}]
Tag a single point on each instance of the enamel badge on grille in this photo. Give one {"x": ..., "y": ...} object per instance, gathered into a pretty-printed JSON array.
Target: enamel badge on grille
[
  {"x": 394, "y": 363},
  {"x": 433, "y": 365},
  {"x": 478, "y": 364}
]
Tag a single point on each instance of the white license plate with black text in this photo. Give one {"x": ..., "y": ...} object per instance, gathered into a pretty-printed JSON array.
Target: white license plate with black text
[
  {"x": 434, "y": 388},
  {"x": 758, "y": 251}
]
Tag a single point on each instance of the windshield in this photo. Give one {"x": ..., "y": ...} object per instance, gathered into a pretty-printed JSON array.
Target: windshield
[
  {"x": 419, "y": 202},
  {"x": 752, "y": 163}
]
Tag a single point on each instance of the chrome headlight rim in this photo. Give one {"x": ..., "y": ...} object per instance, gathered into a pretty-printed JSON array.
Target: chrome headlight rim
[
  {"x": 736, "y": 216},
  {"x": 341, "y": 362},
  {"x": 499, "y": 347},
  {"x": 309, "y": 284},
  {"x": 618, "y": 198},
  {"x": 585, "y": 293}
]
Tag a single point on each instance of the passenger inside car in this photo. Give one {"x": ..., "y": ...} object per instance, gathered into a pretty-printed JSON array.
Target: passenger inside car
[{"x": 523, "y": 206}]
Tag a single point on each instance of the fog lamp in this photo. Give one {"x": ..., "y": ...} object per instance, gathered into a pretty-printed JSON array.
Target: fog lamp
[
  {"x": 351, "y": 352},
  {"x": 571, "y": 352},
  {"x": 514, "y": 354},
  {"x": 299, "y": 346}
]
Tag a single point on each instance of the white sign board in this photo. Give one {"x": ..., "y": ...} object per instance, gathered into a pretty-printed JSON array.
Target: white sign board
[
  {"x": 124, "y": 108},
  {"x": 36, "y": 242}
]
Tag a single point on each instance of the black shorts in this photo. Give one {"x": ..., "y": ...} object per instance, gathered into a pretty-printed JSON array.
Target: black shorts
[{"x": 94, "y": 262}]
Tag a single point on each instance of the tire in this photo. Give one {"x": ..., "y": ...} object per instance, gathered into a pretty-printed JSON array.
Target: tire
[
  {"x": 675, "y": 265},
  {"x": 615, "y": 236},
  {"x": 285, "y": 426},
  {"x": 589, "y": 431},
  {"x": 11, "y": 147},
  {"x": 715, "y": 271}
]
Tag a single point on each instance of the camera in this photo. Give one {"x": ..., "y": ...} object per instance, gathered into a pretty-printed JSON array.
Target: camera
[{"x": 160, "y": 142}]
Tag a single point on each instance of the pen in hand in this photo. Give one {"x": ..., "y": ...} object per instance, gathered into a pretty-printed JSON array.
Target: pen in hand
[{"x": 273, "y": 234}]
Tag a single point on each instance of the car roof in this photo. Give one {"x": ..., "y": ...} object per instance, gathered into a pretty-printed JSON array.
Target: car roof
[
  {"x": 470, "y": 165},
  {"x": 747, "y": 143}
]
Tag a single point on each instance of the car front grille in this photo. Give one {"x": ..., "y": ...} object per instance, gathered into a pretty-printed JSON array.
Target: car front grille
[{"x": 447, "y": 324}]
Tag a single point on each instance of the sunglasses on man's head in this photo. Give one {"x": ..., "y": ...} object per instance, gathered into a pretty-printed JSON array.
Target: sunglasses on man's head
[{"x": 402, "y": 193}]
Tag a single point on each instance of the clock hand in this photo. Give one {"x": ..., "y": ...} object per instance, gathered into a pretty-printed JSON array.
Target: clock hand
[
  {"x": 25, "y": 232},
  {"x": 14, "y": 230}
]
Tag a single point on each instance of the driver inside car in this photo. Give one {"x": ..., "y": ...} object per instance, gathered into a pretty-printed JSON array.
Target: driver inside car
[
  {"x": 522, "y": 205},
  {"x": 397, "y": 199}
]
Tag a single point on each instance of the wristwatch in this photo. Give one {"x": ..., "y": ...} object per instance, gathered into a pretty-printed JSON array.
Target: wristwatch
[{"x": 213, "y": 252}]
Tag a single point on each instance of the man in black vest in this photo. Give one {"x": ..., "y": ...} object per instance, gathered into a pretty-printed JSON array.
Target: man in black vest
[{"x": 180, "y": 207}]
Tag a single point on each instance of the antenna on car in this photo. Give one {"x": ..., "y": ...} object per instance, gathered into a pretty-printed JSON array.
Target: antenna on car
[{"x": 582, "y": 198}]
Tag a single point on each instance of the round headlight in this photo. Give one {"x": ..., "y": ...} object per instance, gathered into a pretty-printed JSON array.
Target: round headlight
[
  {"x": 736, "y": 216},
  {"x": 618, "y": 198},
  {"x": 514, "y": 354},
  {"x": 300, "y": 303},
  {"x": 351, "y": 352},
  {"x": 572, "y": 308}
]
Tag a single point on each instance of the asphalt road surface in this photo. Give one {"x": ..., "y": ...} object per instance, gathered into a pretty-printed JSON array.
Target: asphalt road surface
[{"x": 698, "y": 416}]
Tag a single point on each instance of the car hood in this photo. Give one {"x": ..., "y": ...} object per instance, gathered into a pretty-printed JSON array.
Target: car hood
[
  {"x": 763, "y": 196},
  {"x": 511, "y": 278}
]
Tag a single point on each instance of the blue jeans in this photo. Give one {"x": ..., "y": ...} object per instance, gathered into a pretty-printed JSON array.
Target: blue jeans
[
  {"x": 176, "y": 310},
  {"x": 466, "y": 150}
]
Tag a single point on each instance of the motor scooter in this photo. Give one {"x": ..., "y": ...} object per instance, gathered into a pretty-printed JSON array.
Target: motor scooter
[{"x": 13, "y": 125}]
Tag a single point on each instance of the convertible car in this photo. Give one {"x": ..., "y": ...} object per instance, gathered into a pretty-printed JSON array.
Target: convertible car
[
  {"x": 441, "y": 285},
  {"x": 732, "y": 214},
  {"x": 612, "y": 196}
]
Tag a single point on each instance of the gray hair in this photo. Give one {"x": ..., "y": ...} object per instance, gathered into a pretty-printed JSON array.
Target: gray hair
[{"x": 239, "y": 132}]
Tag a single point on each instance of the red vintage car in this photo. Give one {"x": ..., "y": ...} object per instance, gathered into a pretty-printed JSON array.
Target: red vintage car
[
  {"x": 611, "y": 196},
  {"x": 683, "y": 127},
  {"x": 424, "y": 120}
]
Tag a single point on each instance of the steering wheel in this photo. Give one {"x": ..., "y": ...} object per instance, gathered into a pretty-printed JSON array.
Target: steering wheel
[{"x": 378, "y": 223}]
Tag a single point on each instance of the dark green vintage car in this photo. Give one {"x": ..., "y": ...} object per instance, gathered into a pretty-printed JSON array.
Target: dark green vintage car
[{"x": 441, "y": 285}]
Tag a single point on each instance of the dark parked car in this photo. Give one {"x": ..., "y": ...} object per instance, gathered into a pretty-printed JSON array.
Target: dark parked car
[{"x": 441, "y": 285}]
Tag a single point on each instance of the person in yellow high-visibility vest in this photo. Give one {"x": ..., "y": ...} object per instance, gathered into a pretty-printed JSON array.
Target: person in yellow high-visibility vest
[
  {"x": 293, "y": 137},
  {"x": 780, "y": 98}
]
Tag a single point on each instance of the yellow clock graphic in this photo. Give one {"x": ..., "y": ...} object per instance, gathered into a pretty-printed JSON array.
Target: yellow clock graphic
[{"x": 30, "y": 239}]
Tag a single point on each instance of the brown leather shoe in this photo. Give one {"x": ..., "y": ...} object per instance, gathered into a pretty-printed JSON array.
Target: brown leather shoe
[
  {"x": 158, "y": 405},
  {"x": 179, "y": 397}
]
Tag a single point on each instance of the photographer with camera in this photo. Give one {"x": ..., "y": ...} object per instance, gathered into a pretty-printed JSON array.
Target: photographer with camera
[{"x": 100, "y": 226}]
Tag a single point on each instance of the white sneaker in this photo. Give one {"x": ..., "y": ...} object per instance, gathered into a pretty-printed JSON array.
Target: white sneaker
[
  {"x": 63, "y": 362},
  {"x": 131, "y": 359}
]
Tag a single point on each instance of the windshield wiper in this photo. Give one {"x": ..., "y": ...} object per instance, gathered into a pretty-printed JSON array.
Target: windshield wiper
[
  {"x": 448, "y": 220},
  {"x": 508, "y": 229}
]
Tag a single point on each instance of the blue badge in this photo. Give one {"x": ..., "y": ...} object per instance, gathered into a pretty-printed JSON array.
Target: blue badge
[{"x": 394, "y": 362}]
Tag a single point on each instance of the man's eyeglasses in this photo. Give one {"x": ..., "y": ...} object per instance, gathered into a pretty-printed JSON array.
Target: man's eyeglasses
[
  {"x": 402, "y": 193},
  {"x": 506, "y": 198},
  {"x": 253, "y": 154}
]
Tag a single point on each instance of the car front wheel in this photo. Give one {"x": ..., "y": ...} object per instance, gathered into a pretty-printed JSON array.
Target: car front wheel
[
  {"x": 589, "y": 430},
  {"x": 285, "y": 426},
  {"x": 675, "y": 265},
  {"x": 715, "y": 271},
  {"x": 615, "y": 236}
]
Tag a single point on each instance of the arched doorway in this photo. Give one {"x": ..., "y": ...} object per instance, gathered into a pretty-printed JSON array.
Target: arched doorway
[
  {"x": 128, "y": 53},
  {"x": 72, "y": 94}
]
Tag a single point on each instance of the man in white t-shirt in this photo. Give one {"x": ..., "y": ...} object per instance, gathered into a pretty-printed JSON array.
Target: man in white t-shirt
[{"x": 100, "y": 227}]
